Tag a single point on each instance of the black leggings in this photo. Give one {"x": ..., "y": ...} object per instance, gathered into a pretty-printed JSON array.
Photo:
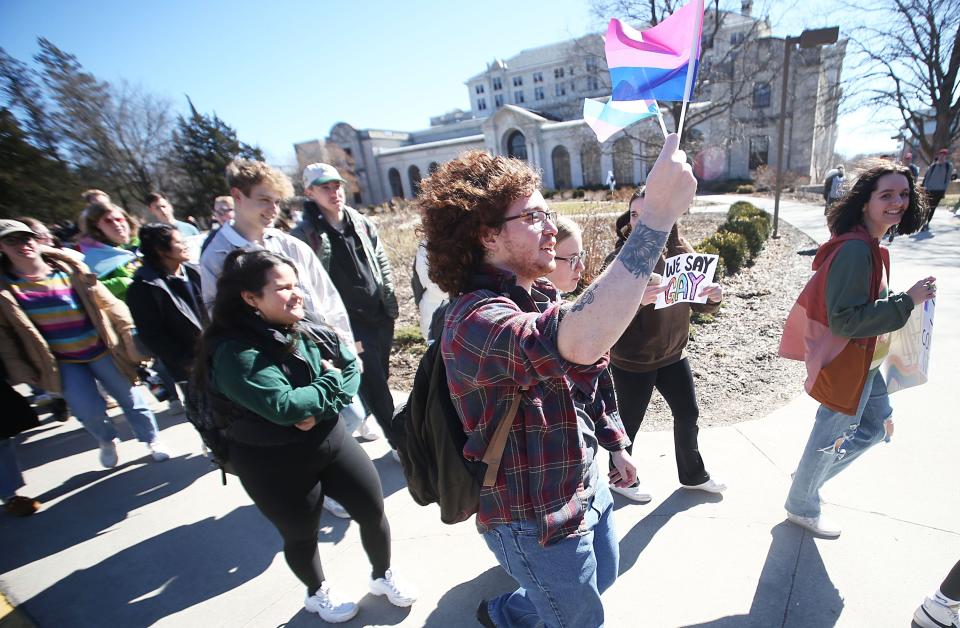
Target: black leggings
[
  {"x": 951, "y": 584},
  {"x": 675, "y": 383},
  {"x": 377, "y": 341},
  {"x": 288, "y": 483}
]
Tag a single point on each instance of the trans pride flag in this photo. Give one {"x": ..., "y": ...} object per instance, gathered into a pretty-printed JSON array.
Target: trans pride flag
[
  {"x": 607, "y": 119},
  {"x": 660, "y": 63}
]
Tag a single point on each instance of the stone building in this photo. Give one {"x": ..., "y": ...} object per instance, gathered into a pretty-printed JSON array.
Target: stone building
[{"x": 530, "y": 106}]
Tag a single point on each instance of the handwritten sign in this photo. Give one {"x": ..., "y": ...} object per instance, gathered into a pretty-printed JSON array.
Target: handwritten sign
[
  {"x": 684, "y": 275},
  {"x": 908, "y": 362}
]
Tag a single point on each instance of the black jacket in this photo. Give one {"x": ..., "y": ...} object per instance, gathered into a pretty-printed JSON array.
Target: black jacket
[{"x": 166, "y": 323}]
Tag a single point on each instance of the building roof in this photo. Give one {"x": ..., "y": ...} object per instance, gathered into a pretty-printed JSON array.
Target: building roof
[{"x": 555, "y": 53}]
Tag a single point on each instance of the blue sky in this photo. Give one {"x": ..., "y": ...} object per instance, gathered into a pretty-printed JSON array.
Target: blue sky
[{"x": 285, "y": 71}]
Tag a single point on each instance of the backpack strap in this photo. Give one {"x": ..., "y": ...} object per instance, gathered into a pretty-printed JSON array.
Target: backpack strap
[{"x": 494, "y": 453}]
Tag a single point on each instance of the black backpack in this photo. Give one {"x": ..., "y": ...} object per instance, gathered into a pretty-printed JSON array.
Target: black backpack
[
  {"x": 210, "y": 415},
  {"x": 430, "y": 441}
]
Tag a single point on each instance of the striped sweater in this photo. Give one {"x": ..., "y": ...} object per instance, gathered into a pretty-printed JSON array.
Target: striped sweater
[{"x": 53, "y": 307}]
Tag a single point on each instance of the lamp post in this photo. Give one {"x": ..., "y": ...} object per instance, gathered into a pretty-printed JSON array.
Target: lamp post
[{"x": 807, "y": 39}]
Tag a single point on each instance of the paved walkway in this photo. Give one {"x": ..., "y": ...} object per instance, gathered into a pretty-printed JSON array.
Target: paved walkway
[{"x": 165, "y": 544}]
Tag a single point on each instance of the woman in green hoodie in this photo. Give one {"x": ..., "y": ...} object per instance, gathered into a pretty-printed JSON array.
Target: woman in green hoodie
[{"x": 279, "y": 389}]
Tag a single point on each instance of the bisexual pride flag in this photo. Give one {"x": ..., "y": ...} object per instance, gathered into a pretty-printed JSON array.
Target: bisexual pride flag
[{"x": 659, "y": 63}]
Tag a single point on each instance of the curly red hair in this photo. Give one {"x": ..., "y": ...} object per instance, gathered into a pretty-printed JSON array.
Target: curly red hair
[{"x": 461, "y": 199}]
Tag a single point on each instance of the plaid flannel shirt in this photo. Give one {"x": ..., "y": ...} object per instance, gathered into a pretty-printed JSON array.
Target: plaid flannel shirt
[{"x": 497, "y": 339}]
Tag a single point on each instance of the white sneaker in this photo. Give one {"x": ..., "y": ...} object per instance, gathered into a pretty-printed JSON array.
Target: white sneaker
[
  {"x": 328, "y": 607},
  {"x": 158, "y": 450},
  {"x": 710, "y": 486},
  {"x": 369, "y": 430},
  {"x": 398, "y": 594},
  {"x": 637, "y": 493},
  {"x": 108, "y": 454},
  {"x": 175, "y": 406},
  {"x": 335, "y": 508},
  {"x": 817, "y": 525},
  {"x": 933, "y": 614}
]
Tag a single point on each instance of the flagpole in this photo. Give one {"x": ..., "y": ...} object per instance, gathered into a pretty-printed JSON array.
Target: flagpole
[
  {"x": 694, "y": 46},
  {"x": 663, "y": 127}
]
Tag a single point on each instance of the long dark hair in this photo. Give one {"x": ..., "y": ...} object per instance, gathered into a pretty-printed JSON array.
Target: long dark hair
[
  {"x": 155, "y": 240},
  {"x": 243, "y": 271},
  {"x": 847, "y": 213}
]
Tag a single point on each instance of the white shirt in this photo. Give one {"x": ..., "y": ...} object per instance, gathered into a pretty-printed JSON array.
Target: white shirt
[
  {"x": 432, "y": 297},
  {"x": 320, "y": 295}
]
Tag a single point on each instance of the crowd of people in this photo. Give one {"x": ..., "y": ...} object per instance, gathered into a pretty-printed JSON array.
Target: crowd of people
[{"x": 285, "y": 334}]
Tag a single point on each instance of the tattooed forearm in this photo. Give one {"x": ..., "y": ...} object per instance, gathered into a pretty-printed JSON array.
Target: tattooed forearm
[
  {"x": 642, "y": 250},
  {"x": 585, "y": 299}
]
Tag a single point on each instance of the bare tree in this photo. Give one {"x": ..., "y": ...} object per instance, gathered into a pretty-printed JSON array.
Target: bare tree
[
  {"x": 728, "y": 69},
  {"x": 117, "y": 136},
  {"x": 329, "y": 152},
  {"x": 911, "y": 59}
]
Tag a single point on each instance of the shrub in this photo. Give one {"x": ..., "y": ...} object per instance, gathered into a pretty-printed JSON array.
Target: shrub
[
  {"x": 549, "y": 193},
  {"x": 732, "y": 248},
  {"x": 721, "y": 186},
  {"x": 751, "y": 230},
  {"x": 707, "y": 247},
  {"x": 743, "y": 209},
  {"x": 746, "y": 188},
  {"x": 407, "y": 335},
  {"x": 578, "y": 193}
]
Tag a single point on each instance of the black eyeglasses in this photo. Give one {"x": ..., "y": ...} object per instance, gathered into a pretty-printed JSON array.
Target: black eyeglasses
[
  {"x": 536, "y": 217},
  {"x": 573, "y": 260}
]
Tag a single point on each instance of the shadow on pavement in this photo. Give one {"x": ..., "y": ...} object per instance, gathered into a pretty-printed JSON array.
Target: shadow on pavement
[
  {"x": 794, "y": 590},
  {"x": 391, "y": 475},
  {"x": 162, "y": 575},
  {"x": 637, "y": 539},
  {"x": 108, "y": 499},
  {"x": 459, "y": 604}
]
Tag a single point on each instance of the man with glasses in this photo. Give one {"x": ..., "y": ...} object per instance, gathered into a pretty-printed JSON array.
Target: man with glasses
[
  {"x": 548, "y": 518},
  {"x": 221, "y": 214}
]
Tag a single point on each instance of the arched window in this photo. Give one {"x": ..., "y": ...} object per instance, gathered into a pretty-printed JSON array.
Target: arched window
[
  {"x": 590, "y": 163},
  {"x": 560, "y": 158},
  {"x": 396, "y": 185},
  {"x": 623, "y": 162},
  {"x": 517, "y": 145},
  {"x": 413, "y": 173},
  {"x": 433, "y": 167}
]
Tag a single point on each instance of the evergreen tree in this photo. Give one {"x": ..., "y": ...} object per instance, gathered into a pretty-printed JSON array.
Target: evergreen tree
[
  {"x": 32, "y": 182},
  {"x": 203, "y": 145}
]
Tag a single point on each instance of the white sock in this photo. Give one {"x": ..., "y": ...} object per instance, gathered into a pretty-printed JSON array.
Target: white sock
[{"x": 943, "y": 600}]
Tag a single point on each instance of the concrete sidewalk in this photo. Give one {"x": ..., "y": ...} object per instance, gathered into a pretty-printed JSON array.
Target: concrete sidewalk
[{"x": 165, "y": 544}]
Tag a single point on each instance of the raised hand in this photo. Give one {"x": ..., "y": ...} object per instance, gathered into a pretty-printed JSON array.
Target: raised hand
[{"x": 670, "y": 187}]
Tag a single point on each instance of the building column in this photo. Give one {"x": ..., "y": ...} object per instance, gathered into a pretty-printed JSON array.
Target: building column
[{"x": 576, "y": 168}]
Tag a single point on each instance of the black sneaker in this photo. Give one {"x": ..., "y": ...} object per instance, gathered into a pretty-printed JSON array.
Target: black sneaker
[
  {"x": 483, "y": 615},
  {"x": 58, "y": 409}
]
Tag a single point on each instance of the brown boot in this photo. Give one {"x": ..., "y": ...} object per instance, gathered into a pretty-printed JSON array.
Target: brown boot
[{"x": 20, "y": 506}]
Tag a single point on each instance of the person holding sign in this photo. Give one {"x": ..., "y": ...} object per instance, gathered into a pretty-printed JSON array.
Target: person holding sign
[
  {"x": 650, "y": 354},
  {"x": 840, "y": 327}
]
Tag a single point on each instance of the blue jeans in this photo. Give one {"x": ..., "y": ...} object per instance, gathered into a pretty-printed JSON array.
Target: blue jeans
[
  {"x": 560, "y": 584},
  {"x": 10, "y": 477},
  {"x": 837, "y": 440},
  {"x": 80, "y": 391}
]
